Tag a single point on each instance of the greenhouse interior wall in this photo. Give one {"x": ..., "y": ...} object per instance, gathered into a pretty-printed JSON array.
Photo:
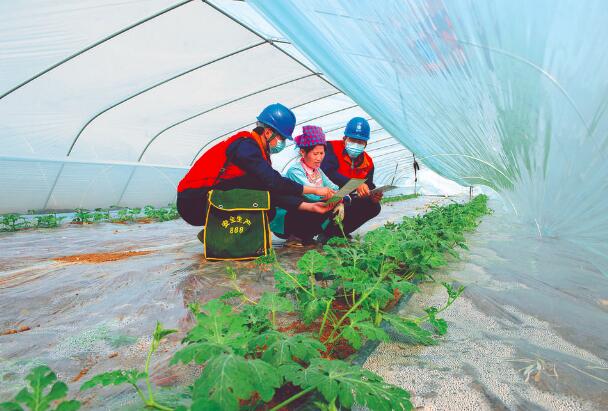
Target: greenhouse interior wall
[{"x": 106, "y": 105}]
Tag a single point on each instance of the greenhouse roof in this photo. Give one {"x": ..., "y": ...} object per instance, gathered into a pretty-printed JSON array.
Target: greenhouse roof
[{"x": 106, "y": 103}]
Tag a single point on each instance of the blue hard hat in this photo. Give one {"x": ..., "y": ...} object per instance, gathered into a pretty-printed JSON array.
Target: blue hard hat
[
  {"x": 279, "y": 118},
  {"x": 358, "y": 128}
]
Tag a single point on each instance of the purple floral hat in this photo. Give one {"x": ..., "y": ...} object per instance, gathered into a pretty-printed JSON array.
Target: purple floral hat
[{"x": 311, "y": 136}]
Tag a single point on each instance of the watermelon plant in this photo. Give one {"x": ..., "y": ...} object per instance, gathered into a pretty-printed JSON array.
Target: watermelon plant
[
  {"x": 44, "y": 393},
  {"x": 48, "y": 221},
  {"x": 82, "y": 216},
  {"x": 258, "y": 357},
  {"x": 12, "y": 222},
  {"x": 398, "y": 198},
  {"x": 132, "y": 377},
  {"x": 101, "y": 215},
  {"x": 15, "y": 222}
]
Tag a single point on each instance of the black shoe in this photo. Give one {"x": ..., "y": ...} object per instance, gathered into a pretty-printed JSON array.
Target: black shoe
[{"x": 201, "y": 236}]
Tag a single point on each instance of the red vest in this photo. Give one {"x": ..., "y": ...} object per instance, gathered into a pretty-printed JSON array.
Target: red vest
[
  {"x": 205, "y": 172},
  {"x": 345, "y": 163}
]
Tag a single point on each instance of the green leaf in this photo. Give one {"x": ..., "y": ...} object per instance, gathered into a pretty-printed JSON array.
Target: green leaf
[
  {"x": 436, "y": 260},
  {"x": 159, "y": 334},
  {"x": 325, "y": 293},
  {"x": 228, "y": 378},
  {"x": 463, "y": 245},
  {"x": 198, "y": 352},
  {"x": 283, "y": 283},
  {"x": 256, "y": 318},
  {"x": 452, "y": 292},
  {"x": 405, "y": 286},
  {"x": 116, "y": 377},
  {"x": 383, "y": 242},
  {"x": 439, "y": 324},
  {"x": 276, "y": 303},
  {"x": 230, "y": 294},
  {"x": 313, "y": 262},
  {"x": 312, "y": 310},
  {"x": 264, "y": 340},
  {"x": 58, "y": 391},
  {"x": 410, "y": 329},
  {"x": 220, "y": 325},
  {"x": 382, "y": 295},
  {"x": 338, "y": 380},
  {"x": 361, "y": 325},
  {"x": 352, "y": 336},
  {"x": 40, "y": 378},
  {"x": 285, "y": 348},
  {"x": 337, "y": 241},
  {"x": 204, "y": 404},
  {"x": 10, "y": 406},
  {"x": 266, "y": 259},
  {"x": 71, "y": 405},
  {"x": 352, "y": 273}
]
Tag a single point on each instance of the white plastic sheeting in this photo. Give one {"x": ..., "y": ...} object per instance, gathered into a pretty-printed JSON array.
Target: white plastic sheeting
[
  {"x": 509, "y": 94},
  {"x": 109, "y": 102}
]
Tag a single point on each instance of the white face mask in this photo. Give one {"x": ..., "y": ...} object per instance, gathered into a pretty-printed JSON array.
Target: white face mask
[
  {"x": 354, "y": 150},
  {"x": 278, "y": 147}
]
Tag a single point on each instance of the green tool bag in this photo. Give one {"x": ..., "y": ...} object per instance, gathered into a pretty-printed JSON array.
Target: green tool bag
[{"x": 236, "y": 224}]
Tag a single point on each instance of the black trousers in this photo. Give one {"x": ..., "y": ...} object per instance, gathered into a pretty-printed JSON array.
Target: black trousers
[
  {"x": 306, "y": 225},
  {"x": 192, "y": 205}
]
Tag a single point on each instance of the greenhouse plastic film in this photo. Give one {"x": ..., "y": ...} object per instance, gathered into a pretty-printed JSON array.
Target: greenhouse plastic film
[{"x": 511, "y": 95}]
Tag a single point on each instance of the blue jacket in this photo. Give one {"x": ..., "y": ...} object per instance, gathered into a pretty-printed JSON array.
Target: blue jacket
[
  {"x": 260, "y": 175},
  {"x": 296, "y": 173}
]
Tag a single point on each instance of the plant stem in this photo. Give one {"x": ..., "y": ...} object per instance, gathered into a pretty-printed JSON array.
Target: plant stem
[
  {"x": 140, "y": 393},
  {"x": 154, "y": 404},
  {"x": 445, "y": 307},
  {"x": 377, "y": 317},
  {"x": 146, "y": 368},
  {"x": 313, "y": 284},
  {"x": 324, "y": 318},
  {"x": 340, "y": 225},
  {"x": 292, "y": 398},
  {"x": 238, "y": 289},
  {"x": 357, "y": 304},
  {"x": 150, "y": 402},
  {"x": 295, "y": 280}
]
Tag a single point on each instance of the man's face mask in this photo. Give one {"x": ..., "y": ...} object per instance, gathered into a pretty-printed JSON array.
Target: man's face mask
[
  {"x": 354, "y": 150},
  {"x": 279, "y": 146}
]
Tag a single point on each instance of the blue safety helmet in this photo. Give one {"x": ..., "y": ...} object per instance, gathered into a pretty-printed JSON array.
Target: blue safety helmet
[
  {"x": 279, "y": 118},
  {"x": 358, "y": 128}
]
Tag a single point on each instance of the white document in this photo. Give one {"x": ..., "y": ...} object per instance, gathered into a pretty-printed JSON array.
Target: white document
[
  {"x": 382, "y": 189},
  {"x": 351, "y": 185}
]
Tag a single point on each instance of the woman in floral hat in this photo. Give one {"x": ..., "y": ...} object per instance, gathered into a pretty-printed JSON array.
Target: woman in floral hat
[{"x": 297, "y": 225}]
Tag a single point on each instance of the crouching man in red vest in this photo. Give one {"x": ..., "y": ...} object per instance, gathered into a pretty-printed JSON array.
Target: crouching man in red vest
[
  {"x": 346, "y": 159},
  {"x": 243, "y": 161}
]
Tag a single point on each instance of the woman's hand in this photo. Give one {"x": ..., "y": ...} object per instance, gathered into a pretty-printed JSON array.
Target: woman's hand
[
  {"x": 325, "y": 192},
  {"x": 318, "y": 207},
  {"x": 363, "y": 190}
]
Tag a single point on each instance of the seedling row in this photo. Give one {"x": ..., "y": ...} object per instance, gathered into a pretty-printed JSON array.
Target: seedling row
[{"x": 290, "y": 348}]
